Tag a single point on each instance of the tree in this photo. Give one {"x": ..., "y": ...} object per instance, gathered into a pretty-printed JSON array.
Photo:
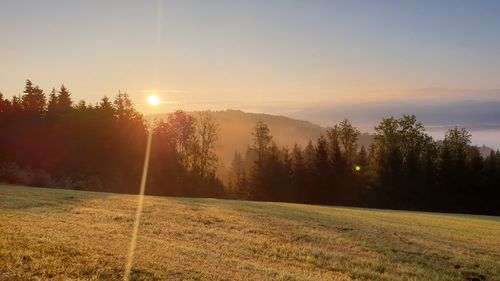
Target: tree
[
  {"x": 490, "y": 185},
  {"x": 348, "y": 140},
  {"x": 167, "y": 170},
  {"x": 260, "y": 188},
  {"x": 262, "y": 139},
  {"x": 52, "y": 105},
  {"x": 5, "y": 106},
  {"x": 299, "y": 175},
  {"x": 182, "y": 127},
  {"x": 207, "y": 137},
  {"x": 237, "y": 176},
  {"x": 457, "y": 142},
  {"x": 33, "y": 100},
  {"x": 428, "y": 178},
  {"x": 402, "y": 153},
  {"x": 388, "y": 161},
  {"x": 17, "y": 105},
  {"x": 361, "y": 178},
  {"x": 101, "y": 147},
  {"x": 124, "y": 108},
  {"x": 475, "y": 190},
  {"x": 64, "y": 102},
  {"x": 454, "y": 160},
  {"x": 321, "y": 173},
  {"x": 309, "y": 155},
  {"x": 342, "y": 143},
  {"x": 285, "y": 191},
  {"x": 362, "y": 158},
  {"x": 413, "y": 142},
  {"x": 105, "y": 105}
]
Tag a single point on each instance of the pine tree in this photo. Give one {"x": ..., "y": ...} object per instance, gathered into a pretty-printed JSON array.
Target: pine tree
[
  {"x": 64, "y": 102},
  {"x": 33, "y": 100},
  {"x": 299, "y": 178},
  {"x": 453, "y": 168},
  {"x": 321, "y": 173},
  {"x": 260, "y": 187},
  {"x": 237, "y": 176},
  {"x": 2, "y": 103},
  {"x": 52, "y": 109}
]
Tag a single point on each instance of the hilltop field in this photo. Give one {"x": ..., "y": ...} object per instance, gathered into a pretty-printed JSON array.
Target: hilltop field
[{"x": 75, "y": 235}]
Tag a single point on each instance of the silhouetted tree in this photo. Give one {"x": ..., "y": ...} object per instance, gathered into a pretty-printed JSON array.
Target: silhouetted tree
[
  {"x": 101, "y": 147},
  {"x": 299, "y": 175},
  {"x": 453, "y": 167},
  {"x": 237, "y": 177},
  {"x": 260, "y": 188},
  {"x": 321, "y": 191},
  {"x": 33, "y": 100},
  {"x": 207, "y": 138}
]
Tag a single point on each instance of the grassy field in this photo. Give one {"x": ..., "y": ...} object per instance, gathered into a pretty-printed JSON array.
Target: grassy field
[{"x": 74, "y": 235}]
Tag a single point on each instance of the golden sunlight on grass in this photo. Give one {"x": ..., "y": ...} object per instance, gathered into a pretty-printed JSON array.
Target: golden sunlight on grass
[{"x": 74, "y": 235}]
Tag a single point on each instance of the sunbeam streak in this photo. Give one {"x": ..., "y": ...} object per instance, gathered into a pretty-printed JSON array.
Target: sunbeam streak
[
  {"x": 140, "y": 204},
  {"x": 153, "y": 101}
]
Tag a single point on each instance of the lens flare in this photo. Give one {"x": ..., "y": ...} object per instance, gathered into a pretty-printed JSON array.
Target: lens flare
[{"x": 357, "y": 168}]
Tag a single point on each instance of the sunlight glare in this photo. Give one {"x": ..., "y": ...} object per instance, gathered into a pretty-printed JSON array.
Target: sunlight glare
[{"x": 154, "y": 100}]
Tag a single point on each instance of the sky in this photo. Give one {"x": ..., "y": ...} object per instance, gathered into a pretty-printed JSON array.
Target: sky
[{"x": 254, "y": 55}]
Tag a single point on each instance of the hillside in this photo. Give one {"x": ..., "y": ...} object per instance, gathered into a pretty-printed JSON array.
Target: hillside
[
  {"x": 236, "y": 127},
  {"x": 74, "y": 235}
]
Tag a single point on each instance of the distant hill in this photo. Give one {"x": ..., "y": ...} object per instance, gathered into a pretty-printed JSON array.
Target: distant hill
[{"x": 236, "y": 127}]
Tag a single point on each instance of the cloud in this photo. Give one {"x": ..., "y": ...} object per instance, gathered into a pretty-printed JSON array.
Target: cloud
[
  {"x": 162, "y": 91},
  {"x": 431, "y": 113}
]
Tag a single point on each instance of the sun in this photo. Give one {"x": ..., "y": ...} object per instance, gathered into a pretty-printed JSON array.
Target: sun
[{"x": 153, "y": 100}]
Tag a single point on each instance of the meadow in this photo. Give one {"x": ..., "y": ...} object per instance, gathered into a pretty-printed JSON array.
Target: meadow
[{"x": 56, "y": 234}]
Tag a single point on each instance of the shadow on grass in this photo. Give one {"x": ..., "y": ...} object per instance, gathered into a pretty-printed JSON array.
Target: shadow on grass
[
  {"x": 48, "y": 200},
  {"x": 419, "y": 239}
]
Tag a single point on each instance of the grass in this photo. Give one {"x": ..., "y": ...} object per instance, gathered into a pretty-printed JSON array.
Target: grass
[{"x": 74, "y": 235}]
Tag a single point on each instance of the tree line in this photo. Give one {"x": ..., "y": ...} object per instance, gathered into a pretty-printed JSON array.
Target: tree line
[
  {"x": 404, "y": 168},
  {"x": 51, "y": 141}
]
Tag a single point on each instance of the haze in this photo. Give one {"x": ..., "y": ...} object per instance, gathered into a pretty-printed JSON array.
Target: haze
[{"x": 278, "y": 56}]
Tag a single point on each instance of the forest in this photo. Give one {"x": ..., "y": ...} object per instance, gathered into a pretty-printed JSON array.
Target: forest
[{"x": 48, "y": 140}]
